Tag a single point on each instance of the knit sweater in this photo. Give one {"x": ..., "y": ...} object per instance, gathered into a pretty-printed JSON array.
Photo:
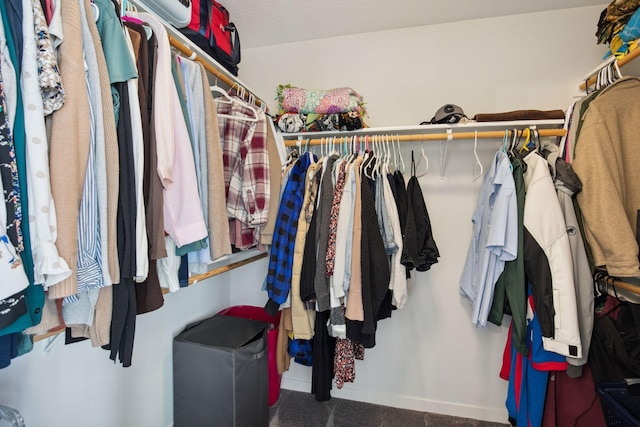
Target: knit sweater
[{"x": 69, "y": 145}]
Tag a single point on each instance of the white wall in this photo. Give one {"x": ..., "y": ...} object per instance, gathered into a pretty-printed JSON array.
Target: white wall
[
  {"x": 78, "y": 385},
  {"x": 428, "y": 355}
]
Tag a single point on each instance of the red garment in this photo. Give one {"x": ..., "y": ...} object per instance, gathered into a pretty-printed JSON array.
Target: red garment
[
  {"x": 48, "y": 10},
  {"x": 572, "y": 402}
]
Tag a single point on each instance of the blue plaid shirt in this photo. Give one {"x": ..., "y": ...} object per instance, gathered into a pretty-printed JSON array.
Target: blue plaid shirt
[{"x": 284, "y": 235}]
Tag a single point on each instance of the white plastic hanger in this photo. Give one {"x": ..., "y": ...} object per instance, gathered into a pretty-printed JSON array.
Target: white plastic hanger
[
  {"x": 387, "y": 149},
  {"x": 225, "y": 98},
  {"x": 423, "y": 156},
  {"x": 379, "y": 156},
  {"x": 443, "y": 151},
  {"x": 96, "y": 11},
  {"x": 403, "y": 168},
  {"x": 478, "y": 162}
]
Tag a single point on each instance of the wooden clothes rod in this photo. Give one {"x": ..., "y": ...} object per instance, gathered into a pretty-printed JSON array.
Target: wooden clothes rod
[
  {"x": 186, "y": 50},
  {"x": 192, "y": 280},
  {"x": 176, "y": 40},
  {"x": 225, "y": 268},
  {"x": 621, "y": 62},
  {"x": 617, "y": 283},
  {"x": 430, "y": 137}
]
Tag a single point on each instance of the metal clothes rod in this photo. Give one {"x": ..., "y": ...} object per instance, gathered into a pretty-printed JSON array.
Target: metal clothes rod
[
  {"x": 621, "y": 62},
  {"x": 426, "y": 136}
]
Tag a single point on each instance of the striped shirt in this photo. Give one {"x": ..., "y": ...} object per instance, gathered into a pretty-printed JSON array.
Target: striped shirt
[{"x": 89, "y": 264}]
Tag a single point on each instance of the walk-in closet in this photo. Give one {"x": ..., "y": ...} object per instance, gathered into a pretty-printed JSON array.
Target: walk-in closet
[{"x": 522, "y": 79}]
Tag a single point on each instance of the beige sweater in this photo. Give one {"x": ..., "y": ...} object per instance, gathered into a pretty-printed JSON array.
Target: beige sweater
[
  {"x": 355, "y": 309},
  {"x": 275, "y": 167},
  {"x": 303, "y": 320},
  {"x": 219, "y": 242},
  {"x": 100, "y": 329},
  {"x": 606, "y": 160},
  {"x": 69, "y": 145}
]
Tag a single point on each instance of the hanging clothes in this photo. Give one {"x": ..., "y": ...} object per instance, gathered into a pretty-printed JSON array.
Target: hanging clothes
[
  {"x": 421, "y": 249},
  {"x": 219, "y": 239},
  {"x": 275, "y": 165},
  {"x": 374, "y": 286},
  {"x": 303, "y": 317},
  {"x": 246, "y": 169},
  {"x": 148, "y": 293},
  {"x": 68, "y": 163},
  {"x": 78, "y": 309},
  {"x": 548, "y": 262},
  {"x": 568, "y": 185},
  {"x": 606, "y": 161},
  {"x": 510, "y": 292},
  {"x": 354, "y": 310},
  {"x": 7, "y": 210},
  {"x": 494, "y": 238},
  {"x": 398, "y": 281},
  {"x": 344, "y": 241},
  {"x": 325, "y": 200},
  {"x": 49, "y": 267},
  {"x": 282, "y": 250},
  {"x": 528, "y": 376},
  {"x": 23, "y": 309}
]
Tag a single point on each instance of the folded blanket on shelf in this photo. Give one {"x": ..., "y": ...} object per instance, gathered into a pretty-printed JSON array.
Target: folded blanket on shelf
[
  {"x": 520, "y": 115},
  {"x": 295, "y": 122},
  {"x": 306, "y": 101}
]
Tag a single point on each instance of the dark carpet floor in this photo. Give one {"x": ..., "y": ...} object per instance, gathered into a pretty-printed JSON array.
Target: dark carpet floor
[{"x": 297, "y": 409}]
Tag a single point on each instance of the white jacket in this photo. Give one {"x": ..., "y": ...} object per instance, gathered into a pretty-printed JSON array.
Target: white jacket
[{"x": 553, "y": 276}]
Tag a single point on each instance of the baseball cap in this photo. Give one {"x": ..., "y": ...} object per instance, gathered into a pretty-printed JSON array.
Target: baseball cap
[{"x": 448, "y": 113}]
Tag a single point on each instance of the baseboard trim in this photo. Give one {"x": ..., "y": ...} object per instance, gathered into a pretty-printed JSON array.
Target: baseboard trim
[{"x": 498, "y": 415}]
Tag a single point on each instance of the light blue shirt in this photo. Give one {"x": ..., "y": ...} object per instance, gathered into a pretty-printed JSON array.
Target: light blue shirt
[{"x": 494, "y": 239}]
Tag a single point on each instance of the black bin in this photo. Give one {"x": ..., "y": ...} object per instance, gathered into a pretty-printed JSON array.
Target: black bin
[{"x": 220, "y": 373}]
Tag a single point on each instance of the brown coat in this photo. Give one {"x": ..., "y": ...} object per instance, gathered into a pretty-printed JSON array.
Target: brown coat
[{"x": 606, "y": 161}]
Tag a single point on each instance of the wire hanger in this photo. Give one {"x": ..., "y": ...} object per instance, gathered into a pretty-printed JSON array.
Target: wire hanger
[{"x": 477, "y": 159}]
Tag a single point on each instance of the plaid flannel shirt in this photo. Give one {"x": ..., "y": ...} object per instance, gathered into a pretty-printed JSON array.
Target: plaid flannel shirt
[
  {"x": 280, "y": 269},
  {"x": 246, "y": 164}
]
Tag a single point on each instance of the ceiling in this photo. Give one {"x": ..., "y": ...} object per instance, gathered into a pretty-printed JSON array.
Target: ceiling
[{"x": 270, "y": 22}]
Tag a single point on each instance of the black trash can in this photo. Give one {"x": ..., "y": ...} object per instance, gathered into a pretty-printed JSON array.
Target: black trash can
[{"x": 220, "y": 373}]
